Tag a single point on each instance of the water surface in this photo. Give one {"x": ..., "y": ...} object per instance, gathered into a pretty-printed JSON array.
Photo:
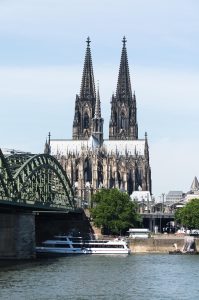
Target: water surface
[{"x": 137, "y": 276}]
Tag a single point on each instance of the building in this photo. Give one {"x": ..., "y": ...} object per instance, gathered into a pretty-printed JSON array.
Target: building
[
  {"x": 173, "y": 197},
  {"x": 143, "y": 199},
  {"x": 92, "y": 162},
  {"x": 194, "y": 191}
]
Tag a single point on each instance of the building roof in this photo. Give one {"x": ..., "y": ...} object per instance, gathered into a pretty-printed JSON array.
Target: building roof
[
  {"x": 141, "y": 195},
  {"x": 174, "y": 193},
  {"x": 122, "y": 147},
  {"x": 63, "y": 147},
  {"x": 195, "y": 185}
]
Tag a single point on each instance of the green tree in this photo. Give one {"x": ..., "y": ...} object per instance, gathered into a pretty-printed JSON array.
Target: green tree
[
  {"x": 188, "y": 215},
  {"x": 114, "y": 211}
]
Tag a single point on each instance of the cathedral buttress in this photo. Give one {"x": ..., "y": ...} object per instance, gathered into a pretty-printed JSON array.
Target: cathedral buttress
[
  {"x": 85, "y": 102},
  {"x": 123, "y": 121}
]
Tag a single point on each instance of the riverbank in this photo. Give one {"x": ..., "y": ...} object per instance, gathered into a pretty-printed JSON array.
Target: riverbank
[{"x": 157, "y": 244}]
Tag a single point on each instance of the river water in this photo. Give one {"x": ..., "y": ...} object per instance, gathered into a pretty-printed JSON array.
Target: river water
[{"x": 136, "y": 276}]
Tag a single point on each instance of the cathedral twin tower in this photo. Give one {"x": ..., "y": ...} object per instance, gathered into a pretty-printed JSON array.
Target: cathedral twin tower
[
  {"x": 90, "y": 161},
  {"x": 87, "y": 120}
]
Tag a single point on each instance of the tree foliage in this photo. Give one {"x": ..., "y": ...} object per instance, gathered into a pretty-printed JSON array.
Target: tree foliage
[
  {"x": 114, "y": 211},
  {"x": 188, "y": 215}
]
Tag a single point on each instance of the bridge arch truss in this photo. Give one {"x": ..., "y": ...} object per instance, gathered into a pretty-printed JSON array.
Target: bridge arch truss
[{"x": 35, "y": 180}]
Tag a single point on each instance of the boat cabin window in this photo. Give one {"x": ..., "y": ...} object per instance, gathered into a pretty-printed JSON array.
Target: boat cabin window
[
  {"x": 102, "y": 246},
  {"x": 77, "y": 245},
  {"x": 57, "y": 245},
  {"x": 59, "y": 238},
  {"x": 76, "y": 240}
]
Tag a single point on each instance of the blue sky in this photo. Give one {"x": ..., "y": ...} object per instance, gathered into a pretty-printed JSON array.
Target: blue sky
[{"x": 41, "y": 59}]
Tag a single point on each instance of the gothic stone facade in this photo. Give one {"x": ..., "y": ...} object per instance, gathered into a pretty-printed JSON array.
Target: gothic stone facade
[{"x": 92, "y": 162}]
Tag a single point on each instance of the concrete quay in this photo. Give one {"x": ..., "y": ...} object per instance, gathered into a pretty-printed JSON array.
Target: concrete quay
[{"x": 157, "y": 244}]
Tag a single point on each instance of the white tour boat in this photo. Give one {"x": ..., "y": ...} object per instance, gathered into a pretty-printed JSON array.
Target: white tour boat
[{"x": 63, "y": 244}]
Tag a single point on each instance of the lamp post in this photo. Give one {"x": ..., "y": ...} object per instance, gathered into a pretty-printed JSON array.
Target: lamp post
[
  {"x": 148, "y": 210},
  {"x": 163, "y": 202},
  {"x": 142, "y": 204}
]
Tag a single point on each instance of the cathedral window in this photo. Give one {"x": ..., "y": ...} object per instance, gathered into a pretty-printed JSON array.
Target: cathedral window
[
  {"x": 123, "y": 120},
  {"x": 100, "y": 173},
  {"x": 77, "y": 116},
  {"x": 86, "y": 120},
  {"x": 76, "y": 174},
  {"x": 115, "y": 117},
  {"x": 87, "y": 171}
]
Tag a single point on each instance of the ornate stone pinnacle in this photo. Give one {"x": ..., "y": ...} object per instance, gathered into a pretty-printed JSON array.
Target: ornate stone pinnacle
[
  {"x": 88, "y": 41},
  {"x": 124, "y": 40}
]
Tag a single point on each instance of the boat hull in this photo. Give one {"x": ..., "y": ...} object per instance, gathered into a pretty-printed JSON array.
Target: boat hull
[{"x": 61, "y": 252}]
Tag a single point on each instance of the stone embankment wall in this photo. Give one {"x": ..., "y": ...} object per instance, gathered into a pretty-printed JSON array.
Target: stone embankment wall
[
  {"x": 17, "y": 236},
  {"x": 157, "y": 244}
]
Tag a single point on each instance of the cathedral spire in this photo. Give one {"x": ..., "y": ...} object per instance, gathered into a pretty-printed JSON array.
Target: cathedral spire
[
  {"x": 87, "y": 90},
  {"x": 123, "y": 121},
  {"x": 85, "y": 102},
  {"x": 97, "y": 105},
  {"x": 97, "y": 121},
  {"x": 124, "y": 82},
  {"x": 146, "y": 148}
]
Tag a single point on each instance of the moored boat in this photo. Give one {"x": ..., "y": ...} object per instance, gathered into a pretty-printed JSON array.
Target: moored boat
[{"x": 63, "y": 245}]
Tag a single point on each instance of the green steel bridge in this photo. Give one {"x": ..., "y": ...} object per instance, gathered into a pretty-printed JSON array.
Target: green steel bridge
[{"x": 36, "y": 182}]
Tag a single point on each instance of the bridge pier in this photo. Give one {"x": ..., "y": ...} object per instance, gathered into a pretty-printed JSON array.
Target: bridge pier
[
  {"x": 20, "y": 231},
  {"x": 159, "y": 220},
  {"x": 48, "y": 224},
  {"x": 17, "y": 235}
]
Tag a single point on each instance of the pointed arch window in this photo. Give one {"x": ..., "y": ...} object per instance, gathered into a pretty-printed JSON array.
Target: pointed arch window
[
  {"x": 86, "y": 120},
  {"x": 123, "y": 120},
  {"x": 77, "y": 116},
  {"x": 87, "y": 170},
  {"x": 115, "y": 117},
  {"x": 100, "y": 172}
]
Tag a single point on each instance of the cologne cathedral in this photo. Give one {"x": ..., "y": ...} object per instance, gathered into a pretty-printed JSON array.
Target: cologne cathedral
[{"x": 92, "y": 162}]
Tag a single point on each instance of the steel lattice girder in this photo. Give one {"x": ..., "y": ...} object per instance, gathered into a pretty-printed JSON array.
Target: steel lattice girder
[
  {"x": 7, "y": 183},
  {"x": 38, "y": 180}
]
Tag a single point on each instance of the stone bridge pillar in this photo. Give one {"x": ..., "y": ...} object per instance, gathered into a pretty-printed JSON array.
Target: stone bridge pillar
[{"x": 17, "y": 235}]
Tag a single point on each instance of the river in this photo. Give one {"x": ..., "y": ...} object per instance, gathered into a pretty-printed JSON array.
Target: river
[{"x": 136, "y": 276}]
